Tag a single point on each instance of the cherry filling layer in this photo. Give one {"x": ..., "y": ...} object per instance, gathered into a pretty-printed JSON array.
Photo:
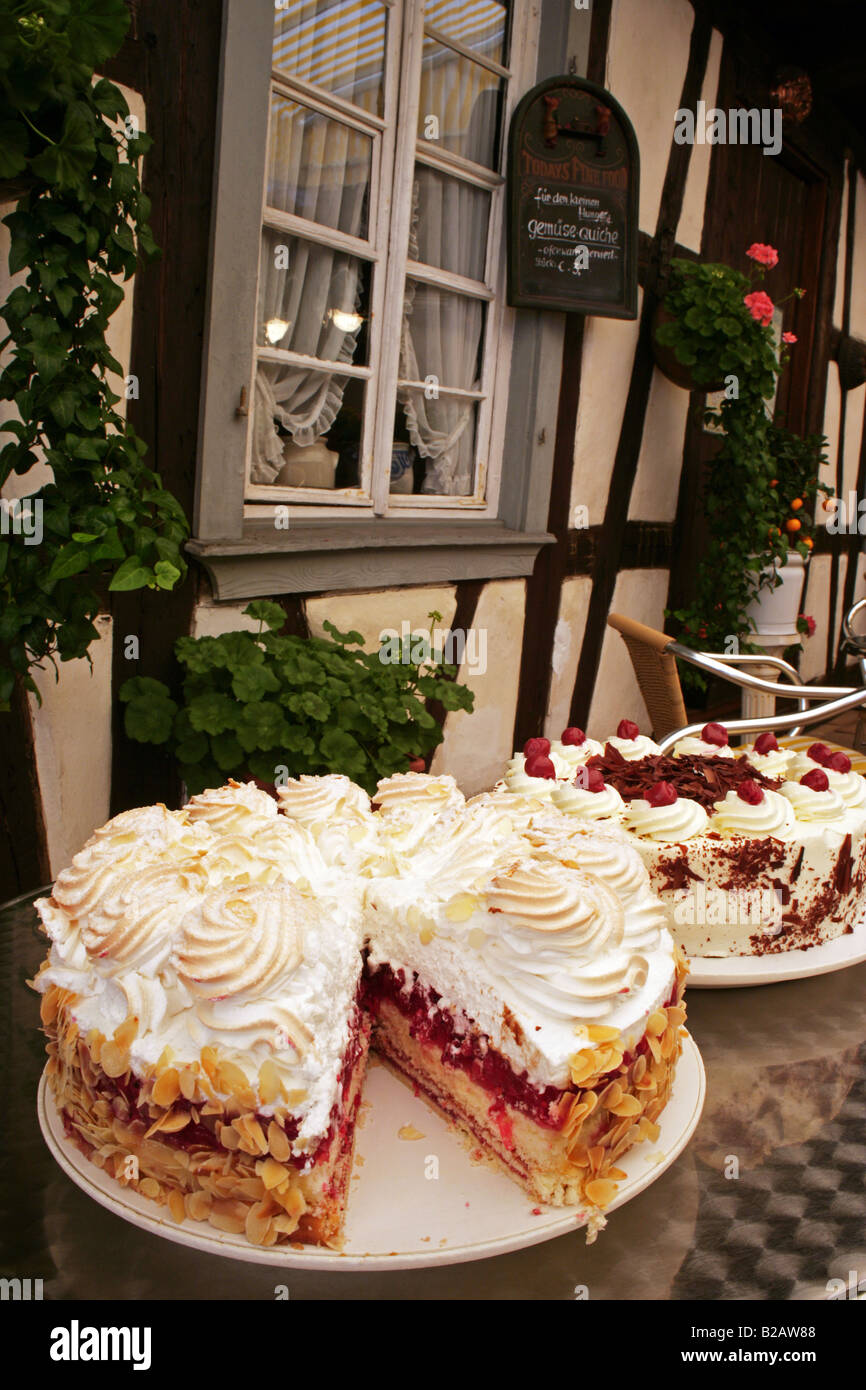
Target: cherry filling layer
[
  {"x": 469, "y": 1052},
  {"x": 472, "y": 1052},
  {"x": 122, "y": 1094}
]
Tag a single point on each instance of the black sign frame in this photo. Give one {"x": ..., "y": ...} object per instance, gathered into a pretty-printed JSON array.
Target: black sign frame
[{"x": 570, "y": 298}]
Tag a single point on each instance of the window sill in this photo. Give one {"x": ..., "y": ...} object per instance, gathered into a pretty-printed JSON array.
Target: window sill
[{"x": 322, "y": 555}]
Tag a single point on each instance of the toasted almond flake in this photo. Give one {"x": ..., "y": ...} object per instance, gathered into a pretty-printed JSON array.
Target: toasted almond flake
[
  {"x": 226, "y": 1223},
  {"x": 166, "y": 1088},
  {"x": 461, "y": 907},
  {"x": 270, "y": 1086},
  {"x": 611, "y": 1096},
  {"x": 596, "y": 1157},
  {"x": 617, "y": 1174},
  {"x": 676, "y": 1015},
  {"x": 175, "y": 1120},
  {"x": 601, "y": 1191},
  {"x": 126, "y": 1032},
  {"x": 188, "y": 1081},
  {"x": 629, "y": 1105},
  {"x": 164, "y": 1061},
  {"x": 272, "y": 1173},
  {"x": 409, "y": 1132},
  {"x": 278, "y": 1145},
  {"x": 149, "y": 1187},
  {"x": 601, "y": 1033},
  {"x": 114, "y": 1060},
  {"x": 657, "y": 1023},
  {"x": 176, "y": 1205},
  {"x": 648, "y": 1129}
]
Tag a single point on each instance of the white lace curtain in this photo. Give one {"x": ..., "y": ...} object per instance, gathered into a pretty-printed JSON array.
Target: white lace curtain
[{"x": 319, "y": 169}]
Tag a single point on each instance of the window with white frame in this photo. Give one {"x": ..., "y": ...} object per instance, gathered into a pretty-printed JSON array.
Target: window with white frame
[{"x": 382, "y": 343}]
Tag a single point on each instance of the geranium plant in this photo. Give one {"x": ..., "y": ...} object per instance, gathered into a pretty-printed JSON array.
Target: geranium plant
[
  {"x": 274, "y": 706},
  {"x": 763, "y": 483}
]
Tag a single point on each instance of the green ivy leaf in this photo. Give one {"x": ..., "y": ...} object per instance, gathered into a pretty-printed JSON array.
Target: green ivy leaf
[
  {"x": 132, "y": 574},
  {"x": 72, "y": 559}
]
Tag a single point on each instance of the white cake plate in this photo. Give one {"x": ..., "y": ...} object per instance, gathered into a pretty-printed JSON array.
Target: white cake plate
[
  {"x": 421, "y": 1199},
  {"x": 736, "y": 972}
]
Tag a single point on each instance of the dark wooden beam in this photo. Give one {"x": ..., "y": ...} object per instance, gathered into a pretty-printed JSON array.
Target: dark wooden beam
[
  {"x": 544, "y": 587},
  {"x": 631, "y": 432},
  {"x": 646, "y": 545},
  {"x": 24, "y": 861},
  {"x": 177, "y": 49},
  {"x": 850, "y": 234}
]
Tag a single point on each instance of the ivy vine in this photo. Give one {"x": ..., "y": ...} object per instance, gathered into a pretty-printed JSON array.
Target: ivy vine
[{"x": 103, "y": 521}]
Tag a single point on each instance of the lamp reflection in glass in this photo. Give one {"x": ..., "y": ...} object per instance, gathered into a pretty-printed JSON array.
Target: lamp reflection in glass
[
  {"x": 276, "y": 330},
  {"x": 344, "y": 320}
]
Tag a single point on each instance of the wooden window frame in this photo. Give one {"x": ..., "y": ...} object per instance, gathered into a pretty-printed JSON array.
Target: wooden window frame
[{"x": 247, "y": 548}]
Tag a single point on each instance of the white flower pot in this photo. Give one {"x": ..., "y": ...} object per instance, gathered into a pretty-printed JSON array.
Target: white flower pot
[{"x": 775, "y": 610}]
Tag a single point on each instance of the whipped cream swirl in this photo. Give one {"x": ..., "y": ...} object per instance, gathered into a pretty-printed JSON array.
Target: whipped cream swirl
[
  {"x": 633, "y": 748},
  {"x": 556, "y": 938},
  {"x": 773, "y": 815},
  {"x": 698, "y": 748},
  {"x": 573, "y": 800},
  {"x": 682, "y": 820},
  {"x": 810, "y": 805}
]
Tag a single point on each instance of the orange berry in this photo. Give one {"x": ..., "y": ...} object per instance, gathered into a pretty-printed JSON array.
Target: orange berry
[
  {"x": 774, "y": 482},
  {"x": 796, "y": 504},
  {"x": 793, "y": 524},
  {"x": 808, "y": 542}
]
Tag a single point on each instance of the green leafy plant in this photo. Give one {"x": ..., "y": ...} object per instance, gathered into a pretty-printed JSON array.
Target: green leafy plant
[
  {"x": 763, "y": 482},
  {"x": 252, "y": 703},
  {"x": 72, "y": 151}
]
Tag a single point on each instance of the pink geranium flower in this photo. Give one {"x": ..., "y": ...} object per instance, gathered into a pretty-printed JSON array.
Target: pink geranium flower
[
  {"x": 760, "y": 306},
  {"x": 789, "y": 337},
  {"x": 763, "y": 254},
  {"x": 810, "y": 623}
]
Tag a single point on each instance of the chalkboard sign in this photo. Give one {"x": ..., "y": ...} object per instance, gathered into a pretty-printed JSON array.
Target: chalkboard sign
[{"x": 573, "y": 174}]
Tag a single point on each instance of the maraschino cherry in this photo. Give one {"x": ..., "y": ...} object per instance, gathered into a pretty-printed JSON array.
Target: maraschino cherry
[
  {"x": 749, "y": 791},
  {"x": 766, "y": 743},
  {"x": 817, "y": 779},
  {"x": 536, "y": 745},
  {"x": 589, "y": 779},
  {"x": 715, "y": 734},
  {"x": 839, "y": 762},
  {"x": 819, "y": 753},
  {"x": 539, "y": 765},
  {"x": 573, "y": 737},
  {"x": 661, "y": 794},
  {"x": 627, "y": 729}
]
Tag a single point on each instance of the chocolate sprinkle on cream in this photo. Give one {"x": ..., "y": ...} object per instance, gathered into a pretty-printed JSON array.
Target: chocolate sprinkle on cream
[{"x": 705, "y": 780}]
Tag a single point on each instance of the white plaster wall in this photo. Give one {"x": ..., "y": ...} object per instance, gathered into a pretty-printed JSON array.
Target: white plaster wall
[
  {"x": 853, "y": 435},
  {"x": 830, "y": 429},
  {"x": 691, "y": 224},
  {"x": 213, "y": 619},
  {"x": 72, "y": 737},
  {"x": 840, "y": 599},
  {"x": 608, "y": 353},
  {"x": 646, "y": 66},
  {"x": 858, "y": 275},
  {"x": 477, "y": 745},
  {"x": 660, "y": 461},
  {"x": 839, "y": 294},
  {"x": 571, "y": 622},
  {"x": 640, "y": 594},
  {"x": 817, "y": 604},
  {"x": 371, "y": 613}
]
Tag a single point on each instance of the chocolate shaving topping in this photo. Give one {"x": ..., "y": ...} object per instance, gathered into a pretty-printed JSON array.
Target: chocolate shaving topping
[
  {"x": 842, "y": 875},
  {"x": 705, "y": 780}
]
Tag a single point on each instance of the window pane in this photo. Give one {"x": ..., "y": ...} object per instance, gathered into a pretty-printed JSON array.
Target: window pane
[
  {"x": 449, "y": 223},
  {"x": 307, "y": 428},
  {"x": 464, "y": 100},
  {"x": 434, "y": 444},
  {"x": 312, "y": 299},
  {"x": 442, "y": 337},
  {"x": 477, "y": 24},
  {"x": 318, "y": 168},
  {"x": 337, "y": 44}
]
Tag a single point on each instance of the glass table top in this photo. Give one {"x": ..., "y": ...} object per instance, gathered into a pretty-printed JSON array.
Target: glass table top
[{"x": 767, "y": 1202}]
